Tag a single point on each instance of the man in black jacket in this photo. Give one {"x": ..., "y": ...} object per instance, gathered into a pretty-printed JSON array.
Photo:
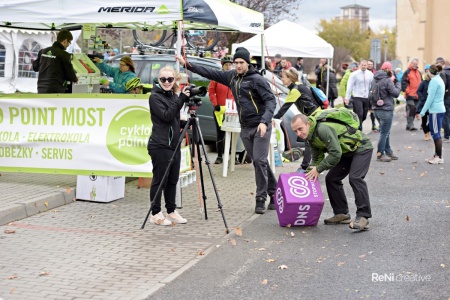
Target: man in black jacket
[
  {"x": 255, "y": 104},
  {"x": 54, "y": 66}
]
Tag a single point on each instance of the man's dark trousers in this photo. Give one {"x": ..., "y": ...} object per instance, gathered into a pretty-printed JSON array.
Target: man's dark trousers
[
  {"x": 356, "y": 167},
  {"x": 361, "y": 108}
]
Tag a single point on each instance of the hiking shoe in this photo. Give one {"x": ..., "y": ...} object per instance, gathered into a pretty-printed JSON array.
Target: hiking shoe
[
  {"x": 260, "y": 207},
  {"x": 392, "y": 156},
  {"x": 427, "y": 136},
  {"x": 413, "y": 129},
  {"x": 360, "y": 223},
  {"x": 384, "y": 158},
  {"x": 445, "y": 140},
  {"x": 428, "y": 159},
  {"x": 219, "y": 160},
  {"x": 436, "y": 160},
  {"x": 159, "y": 219},
  {"x": 375, "y": 129},
  {"x": 338, "y": 219},
  {"x": 176, "y": 218},
  {"x": 271, "y": 205}
]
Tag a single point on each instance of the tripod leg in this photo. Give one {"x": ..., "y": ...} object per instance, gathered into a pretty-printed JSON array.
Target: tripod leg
[
  {"x": 219, "y": 203},
  {"x": 166, "y": 173},
  {"x": 199, "y": 159}
]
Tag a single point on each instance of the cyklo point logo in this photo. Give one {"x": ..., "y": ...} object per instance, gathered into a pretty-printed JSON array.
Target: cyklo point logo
[
  {"x": 299, "y": 186},
  {"x": 128, "y": 135}
]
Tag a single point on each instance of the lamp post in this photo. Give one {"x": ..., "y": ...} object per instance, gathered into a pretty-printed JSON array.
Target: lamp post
[{"x": 385, "y": 46}]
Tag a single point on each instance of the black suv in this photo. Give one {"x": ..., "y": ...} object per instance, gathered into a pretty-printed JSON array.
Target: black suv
[{"x": 147, "y": 67}]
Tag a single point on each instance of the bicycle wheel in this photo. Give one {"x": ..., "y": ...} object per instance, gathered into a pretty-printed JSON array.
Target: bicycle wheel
[
  {"x": 149, "y": 38},
  {"x": 202, "y": 39}
]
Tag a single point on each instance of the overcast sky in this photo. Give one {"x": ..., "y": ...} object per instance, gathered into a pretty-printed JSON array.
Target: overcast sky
[{"x": 382, "y": 12}]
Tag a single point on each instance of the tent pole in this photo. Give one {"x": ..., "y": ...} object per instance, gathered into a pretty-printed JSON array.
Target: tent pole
[
  {"x": 263, "y": 60},
  {"x": 178, "y": 45}
]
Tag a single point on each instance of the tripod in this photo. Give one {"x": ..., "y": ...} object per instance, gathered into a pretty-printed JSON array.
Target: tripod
[{"x": 196, "y": 137}]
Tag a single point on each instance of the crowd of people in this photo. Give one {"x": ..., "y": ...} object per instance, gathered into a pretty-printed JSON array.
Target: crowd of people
[{"x": 364, "y": 90}]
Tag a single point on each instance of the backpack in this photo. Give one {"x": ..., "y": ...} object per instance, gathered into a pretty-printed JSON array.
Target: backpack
[
  {"x": 319, "y": 97},
  {"x": 346, "y": 124},
  {"x": 374, "y": 94}
]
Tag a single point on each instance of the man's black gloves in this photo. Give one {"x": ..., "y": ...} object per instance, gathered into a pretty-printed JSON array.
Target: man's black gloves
[{"x": 217, "y": 107}]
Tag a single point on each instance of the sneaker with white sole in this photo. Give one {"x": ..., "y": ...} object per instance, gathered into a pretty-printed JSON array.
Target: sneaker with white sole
[
  {"x": 436, "y": 160},
  {"x": 176, "y": 218},
  {"x": 159, "y": 219},
  {"x": 445, "y": 140}
]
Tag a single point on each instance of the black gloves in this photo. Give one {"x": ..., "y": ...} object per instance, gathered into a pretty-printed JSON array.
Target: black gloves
[{"x": 217, "y": 107}]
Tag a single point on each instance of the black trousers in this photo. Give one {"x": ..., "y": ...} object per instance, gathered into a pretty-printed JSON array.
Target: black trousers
[
  {"x": 356, "y": 167},
  {"x": 361, "y": 108},
  {"x": 220, "y": 138},
  {"x": 160, "y": 162}
]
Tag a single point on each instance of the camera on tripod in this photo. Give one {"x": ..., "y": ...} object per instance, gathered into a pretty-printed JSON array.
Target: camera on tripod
[{"x": 196, "y": 92}]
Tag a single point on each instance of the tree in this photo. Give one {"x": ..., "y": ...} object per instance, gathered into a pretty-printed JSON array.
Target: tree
[{"x": 346, "y": 34}]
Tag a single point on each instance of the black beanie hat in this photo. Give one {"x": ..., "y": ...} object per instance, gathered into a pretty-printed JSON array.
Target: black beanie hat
[{"x": 243, "y": 53}]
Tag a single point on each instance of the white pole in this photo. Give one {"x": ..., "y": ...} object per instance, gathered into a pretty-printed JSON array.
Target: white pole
[
  {"x": 263, "y": 60},
  {"x": 178, "y": 45}
]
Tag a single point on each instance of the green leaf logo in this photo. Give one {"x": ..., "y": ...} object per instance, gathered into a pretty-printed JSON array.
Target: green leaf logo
[{"x": 162, "y": 10}]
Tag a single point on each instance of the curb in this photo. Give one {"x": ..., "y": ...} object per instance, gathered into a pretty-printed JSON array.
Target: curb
[
  {"x": 22, "y": 210},
  {"x": 147, "y": 294}
]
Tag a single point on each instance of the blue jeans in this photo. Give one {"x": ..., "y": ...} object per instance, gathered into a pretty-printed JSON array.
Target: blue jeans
[
  {"x": 446, "y": 122},
  {"x": 384, "y": 118}
]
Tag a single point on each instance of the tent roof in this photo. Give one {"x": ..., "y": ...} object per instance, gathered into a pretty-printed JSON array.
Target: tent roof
[
  {"x": 158, "y": 14},
  {"x": 290, "y": 40}
]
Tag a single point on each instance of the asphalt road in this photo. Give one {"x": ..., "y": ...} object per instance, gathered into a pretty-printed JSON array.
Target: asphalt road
[{"x": 405, "y": 254}]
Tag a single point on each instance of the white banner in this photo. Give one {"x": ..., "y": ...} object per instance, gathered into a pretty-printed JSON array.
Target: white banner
[
  {"x": 84, "y": 136},
  {"x": 90, "y": 11}
]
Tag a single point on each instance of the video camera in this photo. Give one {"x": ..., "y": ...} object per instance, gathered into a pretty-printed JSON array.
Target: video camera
[{"x": 194, "y": 101}]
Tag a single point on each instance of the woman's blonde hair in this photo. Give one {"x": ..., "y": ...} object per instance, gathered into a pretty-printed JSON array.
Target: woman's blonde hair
[
  {"x": 291, "y": 74},
  {"x": 176, "y": 75}
]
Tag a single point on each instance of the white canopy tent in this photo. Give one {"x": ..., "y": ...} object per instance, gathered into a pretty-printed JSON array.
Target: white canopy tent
[
  {"x": 159, "y": 14},
  {"x": 290, "y": 40},
  {"x": 135, "y": 14}
]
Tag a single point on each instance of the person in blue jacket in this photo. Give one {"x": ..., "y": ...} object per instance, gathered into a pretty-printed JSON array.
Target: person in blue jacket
[
  {"x": 121, "y": 75},
  {"x": 436, "y": 109},
  {"x": 422, "y": 92}
]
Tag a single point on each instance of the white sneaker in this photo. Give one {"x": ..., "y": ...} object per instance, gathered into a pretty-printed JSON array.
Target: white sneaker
[
  {"x": 446, "y": 140},
  {"x": 436, "y": 160},
  {"x": 428, "y": 159},
  {"x": 175, "y": 217},
  {"x": 159, "y": 219}
]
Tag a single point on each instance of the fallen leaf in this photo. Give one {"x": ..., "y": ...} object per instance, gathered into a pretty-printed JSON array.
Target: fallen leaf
[
  {"x": 201, "y": 253},
  {"x": 292, "y": 234},
  {"x": 251, "y": 193},
  {"x": 288, "y": 225},
  {"x": 11, "y": 291},
  {"x": 68, "y": 190},
  {"x": 282, "y": 267},
  {"x": 423, "y": 174},
  {"x": 9, "y": 231},
  {"x": 45, "y": 273},
  {"x": 114, "y": 206},
  {"x": 442, "y": 266},
  {"x": 12, "y": 277},
  {"x": 46, "y": 204},
  {"x": 233, "y": 242},
  {"x": 74, "y": 199},
  {"x": 400, "y": 170},
  {"x": 262, "y": 249},
  {"x": 382, "y": 173},
  {"x": 362, "y": 256},
  {"x": 407, "y": 218},
  {"x": 341, "y": 263},
  {"x": 264, "y": 281},
  {"x": 238, "y": 231},
  {"x": 270, "y": 260},
  {"x": 172, "y": 250},
  {"x": 173, "y": 224}
]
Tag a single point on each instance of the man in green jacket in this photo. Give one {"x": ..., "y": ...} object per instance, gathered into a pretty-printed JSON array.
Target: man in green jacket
[{"x": 323, "y": 138}]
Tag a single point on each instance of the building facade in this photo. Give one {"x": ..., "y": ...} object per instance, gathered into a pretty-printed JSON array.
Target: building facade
[
  {"x": 356, "y": 12},
  {"x": 421, "y": 30}
]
